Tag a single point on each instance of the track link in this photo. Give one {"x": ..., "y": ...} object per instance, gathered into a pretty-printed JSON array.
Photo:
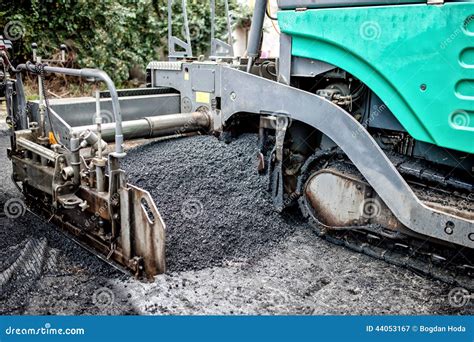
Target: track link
[
  {"x": 417, "y": 259},
  {"x": 455, "y": 266}
]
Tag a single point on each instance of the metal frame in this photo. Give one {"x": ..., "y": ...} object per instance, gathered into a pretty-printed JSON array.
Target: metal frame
[
  {"x": 96, "y": 74},
  {"x": 243, "y": 92},
  {"x": 174, "y": 42},
  {"x": 284, "y": 61},
  {"x": 218, "y": 47}
]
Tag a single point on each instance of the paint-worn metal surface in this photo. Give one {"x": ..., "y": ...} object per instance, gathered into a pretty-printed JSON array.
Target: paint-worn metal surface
[{"x": 418, "y": 59}]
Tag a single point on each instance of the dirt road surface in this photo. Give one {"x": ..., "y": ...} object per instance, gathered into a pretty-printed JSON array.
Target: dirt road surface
[{"x": 227, "y": 251}]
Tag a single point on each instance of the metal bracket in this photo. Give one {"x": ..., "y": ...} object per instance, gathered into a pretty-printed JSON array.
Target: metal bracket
[
  {"x": 276, "y": 172},
  {"x": 218, "y": 47},
  {"x": 284, "y": 61},
  {"x": 281, "y": 126},
  {"x": 174, "y": 42}
]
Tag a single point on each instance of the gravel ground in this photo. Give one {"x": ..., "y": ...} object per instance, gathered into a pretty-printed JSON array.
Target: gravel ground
[
  {"x": 227, "y": 251},
  {"x": 215, "y": 204}
]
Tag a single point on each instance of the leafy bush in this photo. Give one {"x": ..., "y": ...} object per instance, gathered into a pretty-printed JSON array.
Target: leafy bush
[{"x": 114, "y": 36}]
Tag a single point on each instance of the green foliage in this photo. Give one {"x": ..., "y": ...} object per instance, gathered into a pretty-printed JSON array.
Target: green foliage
[{"x": 111, "y": 35}]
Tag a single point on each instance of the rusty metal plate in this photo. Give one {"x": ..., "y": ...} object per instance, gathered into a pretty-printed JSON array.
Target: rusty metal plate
[
  {"x": 142, "y": 230},
  {"x": 339, "y": 200}
]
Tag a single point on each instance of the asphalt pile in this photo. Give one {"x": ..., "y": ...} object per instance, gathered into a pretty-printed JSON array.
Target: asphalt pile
[{"x": 215, "y": 204}]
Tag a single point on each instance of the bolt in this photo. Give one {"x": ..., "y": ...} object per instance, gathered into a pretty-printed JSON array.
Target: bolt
[
  {"x": 233, "y": 96},
  {"x": 423, "y": 87},
  {"x": 449, "y": 228}
]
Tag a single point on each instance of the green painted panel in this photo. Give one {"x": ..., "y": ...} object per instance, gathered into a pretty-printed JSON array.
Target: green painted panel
[{"x": 419, "y": 59}]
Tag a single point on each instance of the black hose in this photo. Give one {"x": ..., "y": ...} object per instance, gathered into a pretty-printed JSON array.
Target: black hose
[
  {"x": 358, "y": 92},
  {"x": 269, "y": 15}
]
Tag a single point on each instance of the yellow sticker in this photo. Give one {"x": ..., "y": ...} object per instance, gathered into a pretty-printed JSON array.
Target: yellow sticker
[
  {"x": 202, "y": 97},
  {"x": 52, "y": 139},
  {"x": 186, "y": 76}
]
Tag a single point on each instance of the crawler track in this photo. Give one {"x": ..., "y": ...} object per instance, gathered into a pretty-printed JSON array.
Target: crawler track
[{"x": 453, "y": 265}]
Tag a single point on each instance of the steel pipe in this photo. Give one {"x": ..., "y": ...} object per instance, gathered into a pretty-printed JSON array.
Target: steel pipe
[
  {"x": 37, "y": 149},
  {"x": 153, "y": 126}
]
